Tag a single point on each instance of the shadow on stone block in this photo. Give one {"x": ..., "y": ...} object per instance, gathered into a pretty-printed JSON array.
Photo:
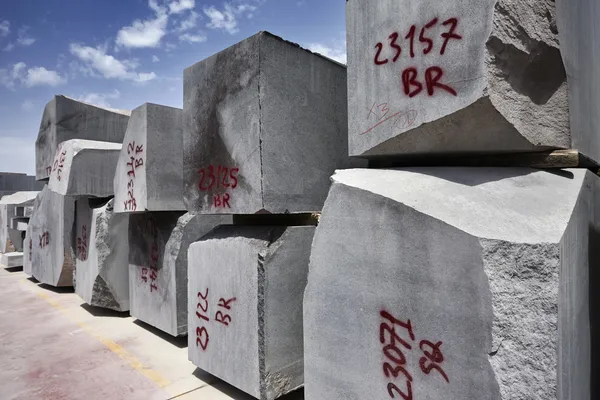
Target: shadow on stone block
[
  {"x": 104, "y": 312},
  {"x": 61, "y": 289},
  {"x": 179, "y": 341}
]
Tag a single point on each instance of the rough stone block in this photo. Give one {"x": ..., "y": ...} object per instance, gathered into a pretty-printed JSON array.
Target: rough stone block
[
  {"x": 245, "y": 306},
  {"x": 52, "y": 224},
  {"x": 14, "y": 259},
  {"x": 28, "y": 242},
  {"x": 23, "y": 211},
  {"x": 19, "y": 223},
  {"x": 457, "y": 283},
  {"x": 431, "y": 77},
  {"x": 265, "y": 125},
  {"x": 577, "y": 23},
  {"x": 84, "y": 168},
  {"x": 8, "y": 206},
  {"x": 65, "y": 118},
  {"x": 102, "y": 251},
  {"x": 149, "y": 173}
]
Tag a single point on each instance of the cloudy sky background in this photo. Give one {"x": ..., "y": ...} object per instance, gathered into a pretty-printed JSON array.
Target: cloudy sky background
[{"x": 123, "y": 53}]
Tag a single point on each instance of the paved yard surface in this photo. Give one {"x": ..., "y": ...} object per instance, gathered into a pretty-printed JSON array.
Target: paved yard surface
[{"x": 54, "y": 347}]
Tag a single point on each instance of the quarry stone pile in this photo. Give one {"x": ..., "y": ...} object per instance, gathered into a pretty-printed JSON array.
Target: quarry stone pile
[
  {"x": 65, "y": 118},
  {"x": 52, "y": 225},
  {"x": 149, "y": 169},
  {"x": 102, "y": 251},
  {"x": 10, "y": 235},
  {"x": 84, "y": 168},
  {"x": 245, "y": 290},
  {"x": 461, "y": 283},
  {"x": 11, "y": 260},
  {"x": 265, "y": 125},
  {"x": 460, "y": 77}
]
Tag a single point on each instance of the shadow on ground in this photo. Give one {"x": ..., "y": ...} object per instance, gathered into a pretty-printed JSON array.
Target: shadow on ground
[
  {"x": 180, "y": 341},
  {"x": 14, "y": 269},
  {"x": 104, "y": 312},
  {"x": 67, "y": 289}
]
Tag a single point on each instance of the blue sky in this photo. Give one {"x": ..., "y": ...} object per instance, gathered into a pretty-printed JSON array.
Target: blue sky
[{"x": 123, "y": 53}]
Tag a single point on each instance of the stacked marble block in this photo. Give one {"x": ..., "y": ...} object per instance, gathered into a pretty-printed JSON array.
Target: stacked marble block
[
  {"x": 13, "y": 221},
  {"x": 451, "y": 282},
  {"x": 264, "y": 126},
  {"x": 148, "y": 188},
  {"x": 76, "y": 154}
]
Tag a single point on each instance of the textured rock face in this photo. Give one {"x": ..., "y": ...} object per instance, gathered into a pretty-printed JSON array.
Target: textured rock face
[
  {"x": 84, "y": 168},
  {"x": 12, "y": 259},
  {"x": 580, "y": 45},
  {"x": 28, "y": 242},
  {"x": 454, "y": 283},
  {"x": 102, "y": 251},
  {"x": 265, "y": 125},
  {"x": 149, "y": 171},
  {"x": 52, "y": 224},
  {"x": 8, "y": 210},
  {"x": 455, "y": 77},
  {"x": 245, "y": 306},
  {"x": 64, "y": 119}
]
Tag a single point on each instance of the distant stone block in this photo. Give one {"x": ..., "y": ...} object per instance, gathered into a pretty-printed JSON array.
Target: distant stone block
[
  {"x": 28, "y": 242},
  {"x": 265, "y": 125},
  {"x": 433, "y": 77},
  {"x": 14, "y": 259},
  {"x": 454, "y": 283},
  {"x": 64, "y": 119},
  {"x": 8, "y": 210},
  {"x": 84, "y": 168},
  {"x": 102, "y": 251},
  {"x": 52, "y": 224},
  {"x": 149, "y": 173},
  {"x": 23, "y": 211},
  {"x": 245, "y": 306}
]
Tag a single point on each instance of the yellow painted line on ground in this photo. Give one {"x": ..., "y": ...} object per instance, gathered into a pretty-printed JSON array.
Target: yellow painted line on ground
[{"x": 110, "y": 344}]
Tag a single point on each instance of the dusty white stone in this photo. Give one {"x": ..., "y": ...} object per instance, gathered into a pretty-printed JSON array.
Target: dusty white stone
[
  {"x": 10, "y": 260},
  {"x": 245, "y": 306},
  {"x": 65, "y": 118},
  {"x": 149, "y": 173},
  {"x": 506, "y": 78},
  {"x": 52, "y": 225},
  {"x": 494, "y": 264},
  {"x": 9, "y": 235},
  {"x": 84, "y": 168},
  {"x": 102, "y": 250}
]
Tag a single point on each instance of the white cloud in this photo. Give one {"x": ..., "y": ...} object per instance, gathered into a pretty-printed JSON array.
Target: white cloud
[
  {"x": 226, "y": 18},
  {"x": 8, "y": 47},
  {"x": 186, "y": 37},
  {"x": 100, "y": 99},
  {"x": 155, "y": 59},
  {"x": 4, "y": 28},
  {"x": 107, "y": 65},
  {"x": 27, "y": 105},
  {"x": 39, "y": 76},
  {"x": 189, "y": 22},
  {"x": 23, "y": 38},
  {"x": 36, "y": 76},
  {"x": 179, "y": 6},
  {"x": 143, "y": 33},
  {"x": 338, "y": 54}
]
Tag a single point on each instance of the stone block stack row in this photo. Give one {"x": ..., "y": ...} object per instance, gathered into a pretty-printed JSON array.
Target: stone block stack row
[{"x": 439, "y": 281}]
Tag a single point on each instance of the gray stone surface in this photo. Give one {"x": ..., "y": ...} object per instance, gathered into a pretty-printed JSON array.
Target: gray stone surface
[
  {"x": 84, "y": 168},
  {"x": 265, "y": 125},
  {"x": 150, "y": 283},
  {"x": 166, "y": 307},
  {"x": 102, "y": 251},
  {"x": 52, "y": 225},
  {"x": 149, "y": 173},
  {"x": 506, "y": 87},
  {"x": 249, "y": 282},
  {"x": 577, "y": 23},
  {"x": 28, "y": 242},
  {"x": 65, "y": 118},
  {"x": 495, "y": 266},
  {"x": 23, "y": 211},
  {"x": 11, "y": 182},
  {"x": 19, "y": 223},
  {"x": 10, "y": 260}
]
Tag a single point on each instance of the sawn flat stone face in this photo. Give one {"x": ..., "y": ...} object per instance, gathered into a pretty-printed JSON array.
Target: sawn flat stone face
[
  {"x": 458, "y": 283},
  {"x": 10, "y": 260},
  {"x": 431, "y": 77},
  {"x": 149, "y": 171},
  {"x": 245, "y": 306},
  {"x": 64, "y": 119},
  {"x": 84, "y": 168},
  {"x": 52, "y": 225},
  {"x": 102, "y": 251},
  {"x": 265, "y": 125}
]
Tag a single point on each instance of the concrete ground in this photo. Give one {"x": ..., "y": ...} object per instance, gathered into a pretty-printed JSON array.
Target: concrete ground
[{"x": 54, "y": 347}]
